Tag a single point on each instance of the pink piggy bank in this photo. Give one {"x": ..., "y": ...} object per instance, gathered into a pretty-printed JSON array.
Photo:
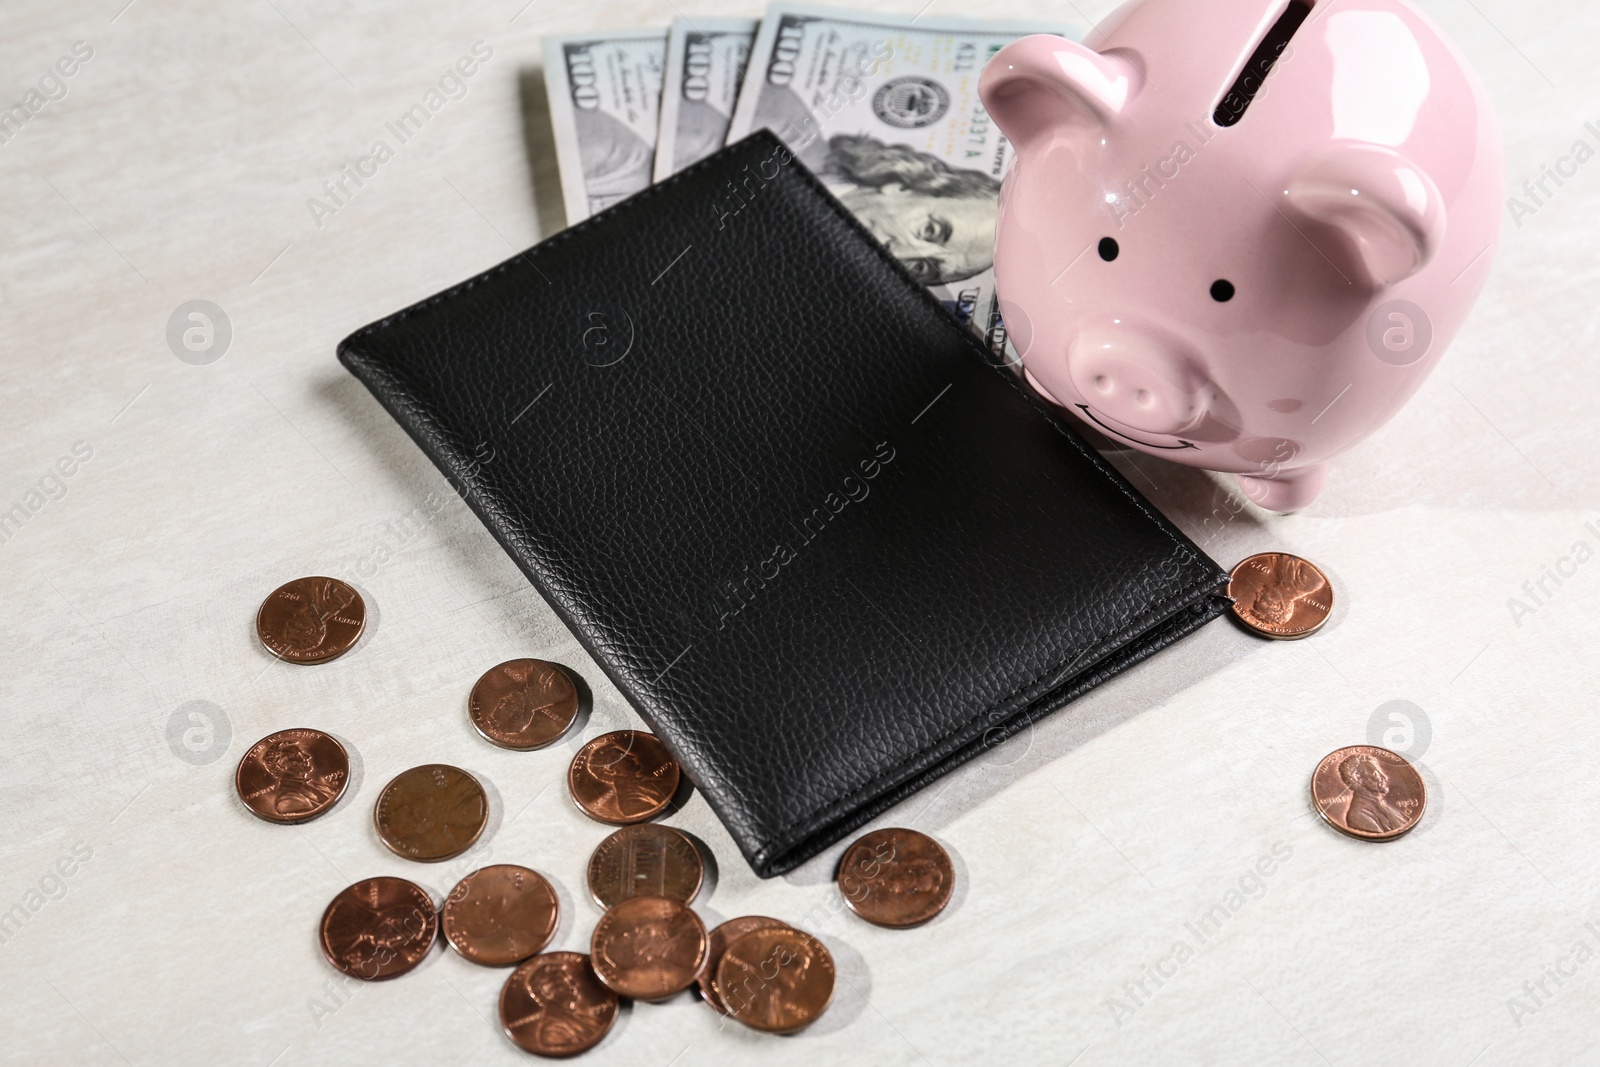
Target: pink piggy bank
[{"x": 1239, "y": 233}]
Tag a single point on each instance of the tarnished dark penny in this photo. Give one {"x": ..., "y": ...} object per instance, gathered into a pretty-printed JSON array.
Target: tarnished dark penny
[
  {"x": 553, "y": 1005},
  {"x": 778, "y": 980},
  {"x": 717, "y": 943},
  {"x": 378, "y": 928},
  {"x": 648, "y": 948},
  {"x": 896, "y": 877},
  {"x": 1280, "y": 596},
  {"x": 626, "y": 776},
  {"x": 431, "y": 813},
  {"x": 311, "y": 620},
  {"x": 523, "y": 704},
  {"x": 500, "y": 915},
  {"x": 1368, "y": 792},
  {"x": 647, "y": 860},
  {"x": 292, "y": 775}
]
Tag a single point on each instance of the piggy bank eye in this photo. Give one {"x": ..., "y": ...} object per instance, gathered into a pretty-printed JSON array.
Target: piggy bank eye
[
  {"x": 1108, "y": 249},
  {"x": 1222, "y": 290}
]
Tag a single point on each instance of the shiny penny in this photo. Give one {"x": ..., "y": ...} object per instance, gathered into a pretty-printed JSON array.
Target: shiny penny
[
  {"x": 778, "y": 980},
  {"x": 896, "y": 877},
  {"x": 626, "y": 776},
  {"x": 1280, "y": 596},
  {"x": 292, "y": 775},
  {"x": 553, "y": 1005},
  {"x": 431, "y": 813},
  {"x": 648, "y": 948},
  {"x": 523, "y": 704},
  {"x": 647, "y": 860},
  {"x": 500, "y": 915},
  {"x": 717, "y": 943},
  {"x": 311, "y": 620},
  {"x": 1368, "y": 792},
  {"x": 378, "y": 928}
]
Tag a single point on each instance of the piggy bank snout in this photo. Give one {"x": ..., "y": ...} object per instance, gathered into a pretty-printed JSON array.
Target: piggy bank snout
[{"x": 1138, "y": 379}]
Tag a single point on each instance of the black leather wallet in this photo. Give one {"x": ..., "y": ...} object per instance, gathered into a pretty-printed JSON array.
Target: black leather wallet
[{"x": 825, "y": 548}]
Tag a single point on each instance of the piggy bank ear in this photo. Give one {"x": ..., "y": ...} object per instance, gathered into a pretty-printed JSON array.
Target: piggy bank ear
[
  {"x": 1388, "y": 216},
  {"x": 1043, "y": 87}
]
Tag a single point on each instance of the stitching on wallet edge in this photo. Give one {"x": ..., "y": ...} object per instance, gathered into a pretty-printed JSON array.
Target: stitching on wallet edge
[
  {"x": 822, "y": 813},
  {"x": 820, "y": 820}
]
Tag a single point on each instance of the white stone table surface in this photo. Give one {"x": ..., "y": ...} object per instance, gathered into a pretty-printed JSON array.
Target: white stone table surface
[{"x": 177, "y": 167}]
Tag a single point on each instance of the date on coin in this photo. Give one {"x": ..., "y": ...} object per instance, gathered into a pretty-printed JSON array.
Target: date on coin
[
  {"x": 292, "y": 775},
  {"x": 622, "y": 777},
  {"x": 1368, "y": 793}
]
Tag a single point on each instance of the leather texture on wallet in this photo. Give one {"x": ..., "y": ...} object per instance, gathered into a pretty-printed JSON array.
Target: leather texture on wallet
[{"x": 826, "y": 549}]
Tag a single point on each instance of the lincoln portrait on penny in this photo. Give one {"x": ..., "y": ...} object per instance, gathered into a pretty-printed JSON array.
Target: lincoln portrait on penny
[
  {"x": 563, "y": 1019},
  {"x": 1369, "y": 810},
  {"x": 297, "y": 792},
  {"x": 634, "y": 781}
]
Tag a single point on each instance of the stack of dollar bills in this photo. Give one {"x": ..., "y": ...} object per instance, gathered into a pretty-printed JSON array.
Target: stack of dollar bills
[{"x": 883, "y": 108}]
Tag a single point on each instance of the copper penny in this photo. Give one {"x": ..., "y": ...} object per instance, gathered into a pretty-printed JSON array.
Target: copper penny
[
  {"x": 311, "y": 620},
  {"x": 523, "y": 704},
  {"x": 553, "y": 1005},
  {"x": 292, "y": 775},
  {"x": 896, "y": 877},
  {"x": 648, "y": 948},
  {"x": 778, "y": 980},
  {"x": 431, "y": 813},
  {"x": 500, "y": 915},
  {"x": 717, "y": 943},
  {"x": 623, "y": 777},
  {"x": 1280, "y": 596},
  {"x": 1368, "y": 792},
  {"x": 647, "y": 860},
  {"x": 379, "y": 928}
]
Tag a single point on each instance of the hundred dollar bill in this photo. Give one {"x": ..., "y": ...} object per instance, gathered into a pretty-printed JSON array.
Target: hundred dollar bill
[
  {"x": 605, "y": 95},
  {"x": 885, "y": 110},
  {"x": 705, "y": 66}
]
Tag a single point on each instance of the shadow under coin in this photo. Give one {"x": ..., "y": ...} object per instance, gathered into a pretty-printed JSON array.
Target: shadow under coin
[
  {"x": 566, "y": 914},
  {"x": 852, "y": 987},
  {"x": 497, "y": 815},
  {"x": 679, "y": 799},
  {"x": 620, "y": 1024},
  {"x": 958, "y": 893},
  {"x": 374, "y": 617},
  {"x": 357, "y": 774},
  {"x": 708, "y": 884},
  {"x": 580, "y": 722}
]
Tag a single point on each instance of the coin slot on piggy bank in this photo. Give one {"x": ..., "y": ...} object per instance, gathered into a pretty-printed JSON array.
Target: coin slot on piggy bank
[
  {"x": 1254, "y": 74},
  {"x": 1265, "y": 183}
]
